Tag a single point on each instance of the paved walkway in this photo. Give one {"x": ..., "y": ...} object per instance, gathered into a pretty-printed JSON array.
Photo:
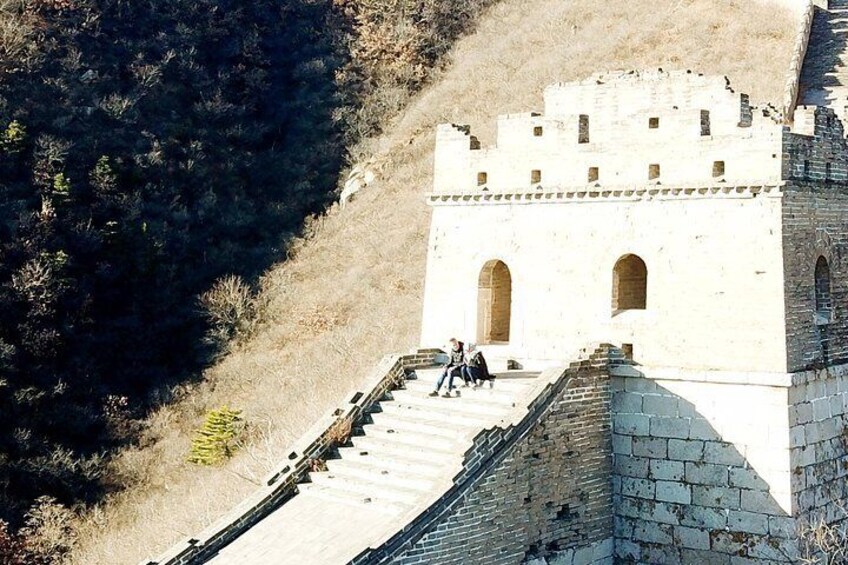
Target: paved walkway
[
  {"x": 824, "y": 75},
  {"x": 406, "y": 458}
]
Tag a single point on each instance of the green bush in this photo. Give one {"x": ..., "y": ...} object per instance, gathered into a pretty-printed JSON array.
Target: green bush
[{"x": 216, "y": 440}]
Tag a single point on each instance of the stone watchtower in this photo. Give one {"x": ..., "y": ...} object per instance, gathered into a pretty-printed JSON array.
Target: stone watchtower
[{"x": 661, "y": 212}]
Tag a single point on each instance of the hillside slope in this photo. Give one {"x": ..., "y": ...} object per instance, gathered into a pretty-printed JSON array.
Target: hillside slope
[{"x": 352, "y": 290}]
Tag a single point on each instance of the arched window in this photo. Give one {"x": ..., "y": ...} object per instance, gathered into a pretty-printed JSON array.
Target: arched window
[
  {"x": 629, "y": 284},
  {"x": 494, "y": 303},
  {"x": 824, "y": 303}
]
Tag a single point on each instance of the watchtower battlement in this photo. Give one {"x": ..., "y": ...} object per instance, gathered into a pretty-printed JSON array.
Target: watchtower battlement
[
  {"x": 642, "y": 128},
  {"x": 662, "y": 213}
]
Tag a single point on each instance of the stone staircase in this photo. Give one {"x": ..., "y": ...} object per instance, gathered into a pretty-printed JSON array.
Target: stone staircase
[
  {"x": 824, "y": 75},
  {"x": 393, "y": 469}
]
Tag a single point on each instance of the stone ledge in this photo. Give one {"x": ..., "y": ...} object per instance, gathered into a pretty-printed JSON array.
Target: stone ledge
[
  {"x": 607, "y": 194},
  {"x": 777, "y": 380}
]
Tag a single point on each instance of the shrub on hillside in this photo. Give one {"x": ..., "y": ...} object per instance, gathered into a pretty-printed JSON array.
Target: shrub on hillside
[
  {"x": 232, "y": 309},
  {"x": 216, "y": 440}
]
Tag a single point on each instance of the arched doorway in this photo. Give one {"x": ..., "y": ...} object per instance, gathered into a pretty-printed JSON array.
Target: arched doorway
[
  {"x": 629, "y": 284},
  {"x": 494, "y": 303}
]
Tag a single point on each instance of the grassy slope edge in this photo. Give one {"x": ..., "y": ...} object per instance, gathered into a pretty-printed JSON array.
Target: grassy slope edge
[{"x": 352, "y": 291}]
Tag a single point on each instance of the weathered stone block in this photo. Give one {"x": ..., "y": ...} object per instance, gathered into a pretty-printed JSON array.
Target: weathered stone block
[
  {"x": 719, "y": 497},
  {"x": 670, "y": 427},
  {"x": 622, "y": 527},
  {"x": 797, "y": 438},
  {"x": 804, "y": 413},
  {"x": 627, "y": 403},
  {"x": 750, "y": 522},
  {"x": 622, "y": 445},
  {"x": 706, "y": 474},
  {"x": 656, "y": 405},
  {"x": 760, "y": 502},
  {"x": 650, "y": 447},
  {"x": 627, "y": 466},
  {"x": 641, "y": 385},
  {"x": 631, "y": 424},
  {"x": 747, "y": 478},
  {"x": 722, "y": 454},
  {"x": 701, "y": 517},
  {"x": 668, "y": 491},
  {"x": 604, "y": 549},
  {"x": 783, "y": 527},
  {"x": 692, "y": 538},
  {"x": 666, "y": 470},
  {"x": 703, "y": 430},
  {"x": 665, "y": 512},
  {"x": 665, "y": 554},
  {"x": 730, "y": 542},
  {"x": 653, "y": 533},
  {"x": 821, "y": 409},
  {"x": 583, "y": 556},
  {"x": 685, "y": 450},
  {"x": 774, "y": 549},
  {"x": 627, "y": 550},
  {"x": 639, "y": 488}
]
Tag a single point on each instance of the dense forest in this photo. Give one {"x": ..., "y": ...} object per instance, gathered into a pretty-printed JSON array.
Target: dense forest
[{"x": 148, "y": 148}]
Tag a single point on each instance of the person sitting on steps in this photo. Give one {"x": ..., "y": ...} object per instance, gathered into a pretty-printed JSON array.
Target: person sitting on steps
[
  {"x": 452, "y": 369},
  {"x": 476, "y": 370}
]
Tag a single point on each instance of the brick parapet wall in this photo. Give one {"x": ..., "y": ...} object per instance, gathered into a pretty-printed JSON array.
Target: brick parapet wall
[
  {"x": 799, "y": 51},
  {"x": 281, "y": 485},
  {"x": 815, "y": 223},
  {"x": 534, "y": 491}
]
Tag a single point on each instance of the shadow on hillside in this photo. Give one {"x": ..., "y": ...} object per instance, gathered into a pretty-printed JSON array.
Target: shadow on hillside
[{"x": 164, "y": 146}]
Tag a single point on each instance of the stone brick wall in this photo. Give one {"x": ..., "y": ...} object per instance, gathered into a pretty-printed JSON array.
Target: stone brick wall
[
  {"x": 542, "y": 496},
  {"x": 701, "y": 471},
  {"x": 818, "y": 416},
  {"x": 815, "y": 224}
]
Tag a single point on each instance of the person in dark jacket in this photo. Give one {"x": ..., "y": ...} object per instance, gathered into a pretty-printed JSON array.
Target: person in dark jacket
[
  {"x": 453, "y": 369},
  {"x": 476, "y": 370}
]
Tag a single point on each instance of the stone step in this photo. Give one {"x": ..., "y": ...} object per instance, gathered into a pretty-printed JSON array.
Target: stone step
[
  {"x": 498, "y": 393},
  {"x": 432, "y": 415},
  {"x": 412, "y": 437},
  {"x": 368, "y": 488},
  {"x": 445, "y": 427},
  {"x": 371, "y": 469},
  {"x": 502, "y": 384},
  {"x": 365, "y": 446},
  {"x": 466, "y": 404},
  {"x": 335, "y": 495},
  {"x": 430, "y": 464},
  {"x": 385, "y": 445}
]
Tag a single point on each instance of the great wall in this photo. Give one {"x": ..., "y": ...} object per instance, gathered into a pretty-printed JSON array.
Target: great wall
[{"x": 699, "y": 244}]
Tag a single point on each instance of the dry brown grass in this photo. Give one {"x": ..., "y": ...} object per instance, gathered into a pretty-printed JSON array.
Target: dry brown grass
[{"x": 352, "y": 292}]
